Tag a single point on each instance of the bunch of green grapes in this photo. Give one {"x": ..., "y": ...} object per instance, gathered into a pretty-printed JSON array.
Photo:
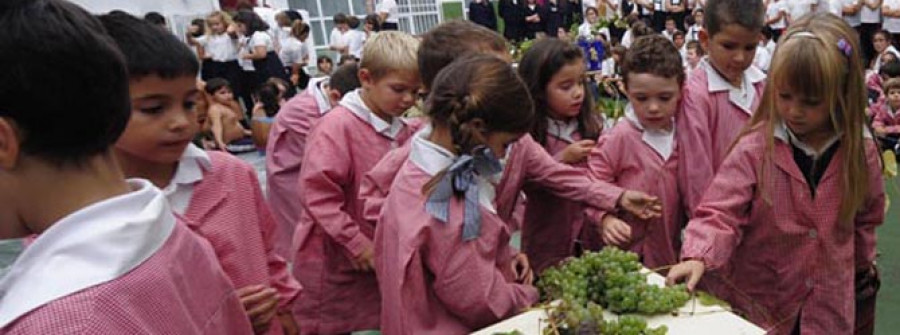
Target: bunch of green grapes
[
  {"x": 612, "y": 279},
  {"x": 574, "y": 319}
]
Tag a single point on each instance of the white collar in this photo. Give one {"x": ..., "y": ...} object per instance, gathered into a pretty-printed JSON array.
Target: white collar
[
  {"x": 433, "y": 159},
  {"x": 562, "y": 129},
  {"x": 321, "y": 96},
  {"x": 783, "y": 133},
  {"x": 743, "y": 96},
  {"x": 661, "y": 141},
  {"x": 89, "y": 247},
  {"x": 353, "y": 102},
  {"x": 190, "y": 168}
]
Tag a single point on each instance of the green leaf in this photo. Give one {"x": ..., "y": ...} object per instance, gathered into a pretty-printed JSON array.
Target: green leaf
[{"x": 707, "y": 299}]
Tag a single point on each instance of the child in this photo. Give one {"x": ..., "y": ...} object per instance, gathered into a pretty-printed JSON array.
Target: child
[
  {"x": 286, "y": 144},
  {"x": 259, "y": 48},
  {"x": 670, "y": 30},
  {"x": 355, "y": 38},
  {"x": 721, "y": 94},
  {"x": 694, "y": 53},
  {"x": 225, "y": 117},
  {"x": 221, "y": 47},
  {"x": 371, "y": 25},
  {"x": 333, "y": 245},
  {"x": 324, "y": 66},
  {"x": 678, "y": 40},
  {"x": 526, "y": 161},
  {"x": 881, "y": 42},
  {"x": 566, "y": 127},
  {"x": 776, "y": 12},
  {"x": 641, "y": 154},
  {"x": 610, "y": 74},
  {"x": 218, "y": 195},
  {"x": 534, "y": 20},
  {"x": 109, "y": 256},
  {"x": 269, "y": 99},
  {"x": 442, "y": 253},
  {"x": 875, "y": 84},
  {"x": 793, "y": 210},
  {"x": 295, "y": 55},
  {"x": 339, "y": 41},
  {"x": 891, "y": 11},
  {"x": 886, "y": 121},
  {"x": 693, "y": 31}
]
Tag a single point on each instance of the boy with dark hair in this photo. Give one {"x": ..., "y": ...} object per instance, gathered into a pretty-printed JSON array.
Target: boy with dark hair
[
  {"x": 287, "y": 143},
  {"x": 218, "y": 195},
  {"x": 340, "y": 35},
  {"x": 110, "y": 257}
]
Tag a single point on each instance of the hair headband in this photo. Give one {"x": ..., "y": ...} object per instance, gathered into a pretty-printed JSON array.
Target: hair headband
[{"x": 843, "y": 45}]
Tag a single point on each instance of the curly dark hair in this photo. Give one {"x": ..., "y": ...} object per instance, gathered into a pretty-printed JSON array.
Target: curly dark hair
[
  {"x": 749, "y": 14},
  {"x": 656, "y": 55}
]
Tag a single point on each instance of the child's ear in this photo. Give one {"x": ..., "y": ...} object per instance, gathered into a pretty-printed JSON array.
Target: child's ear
[
  {"x": 365, "y": 78},
  {"x": 9, "y": 144},
  {"x": 704, "y": 40},
  {"x": 334, "y": 97}
]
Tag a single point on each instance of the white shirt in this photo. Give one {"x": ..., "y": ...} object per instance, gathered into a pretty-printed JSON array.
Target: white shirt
[
  {"x": 742, "y": 96},
  {"x": 220, "y": 48},
  {"x": 891, "y": 24},
  {"x": 355, "y": 41},
  {"x": 89, "y": 247},
  {"x": 868, "y": 15},
  {"x": 798, "y": 8},
  {"x": 338, "y": 39},
  {"x": 890, "y": 49},
  {"x": 661, "y": 141},
  {"x": 783, "y": 133},
  {"x": 292, "y": 52},
  {"x": 762, "y": 58},
  {"x": 830, "y": 6},
  {"x": 246, "y": 64},
  {"x": 389, "y": 7},
  {"x": 627, "y": 39},
  {"x": 608, "y": 67},
  {"x": 770, "y": 47},
  {"x": 355, "y": 104},
  {"x": 189, "y": 172},
  {"x": 562, "y": 129},
  {"x": 261, "y": 39},
  {"x": 772, "y": 11},
  {"x": 852, "y": 20},
  {"x": 693, "y": 34}
]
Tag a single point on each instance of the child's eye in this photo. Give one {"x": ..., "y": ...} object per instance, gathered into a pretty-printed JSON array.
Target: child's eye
[
  {"x": 189, "y": 105},
  {"x": 152, "y": 110}
]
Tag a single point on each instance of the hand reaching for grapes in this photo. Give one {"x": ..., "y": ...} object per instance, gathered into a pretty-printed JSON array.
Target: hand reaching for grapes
[
  {"x": 615, "y": 231},
  {"x": 577, "y": 151},
  {"x": 640, "y": 204},
  {"x": 689, "y": 271},
  {"x": 522, "y": 269}
]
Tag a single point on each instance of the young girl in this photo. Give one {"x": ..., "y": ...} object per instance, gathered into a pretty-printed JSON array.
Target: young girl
[
  {"x": 442, "y": 253},
  {"x": 640, "y": 153},
  {"x": 324, "y": 66},
  {"x": 694, "y": 53},
  {"x": 793, "y": 210},
  {"x": 566, "y": 127},
  {"x": 225, "y": 116},
  {"x": 220, "y": 51},
  {"x": 295, "y": 55},
  {"x": 881, "y": 42},
  {"x": 259, "y": 48}
]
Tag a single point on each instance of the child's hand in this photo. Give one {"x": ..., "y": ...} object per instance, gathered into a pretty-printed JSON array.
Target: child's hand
[
  {"x": 880, "y": 131},
  {"x": 260, "y": 303},
  {"x": 288, "y": 324},
  {"x": 577, "y": 151},
  {"x": 640, "y": 204},
  {"x": 522, "y": 269},
  {"x": 366, "y": 261},
  {"x": 615, "y": 231},
  {"x": 690, "y": 271}
]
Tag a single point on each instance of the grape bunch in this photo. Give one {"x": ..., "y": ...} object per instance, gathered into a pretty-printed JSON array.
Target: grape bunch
[
  {"x": 574, "y": 319},
  {"x": 612, "y": 279}
]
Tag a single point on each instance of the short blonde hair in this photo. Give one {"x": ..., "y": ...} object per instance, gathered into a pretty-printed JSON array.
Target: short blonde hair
[{"x": 390, "y": 51}]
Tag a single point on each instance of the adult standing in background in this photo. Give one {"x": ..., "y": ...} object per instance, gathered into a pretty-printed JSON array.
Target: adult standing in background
[
  {"x": 513, "y": 14},
  {"x": 389, "y": 13},
  {"x": 482, "y": 13}
]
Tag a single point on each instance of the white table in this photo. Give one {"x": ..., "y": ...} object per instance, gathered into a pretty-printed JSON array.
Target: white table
[{"x": 713, "y": 320}]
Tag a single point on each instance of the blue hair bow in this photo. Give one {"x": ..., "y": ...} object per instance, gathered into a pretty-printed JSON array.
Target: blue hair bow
[{"x": 461, "y": 178}]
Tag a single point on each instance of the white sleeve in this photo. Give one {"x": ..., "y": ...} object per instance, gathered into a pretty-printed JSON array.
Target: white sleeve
[{"x": 261, "y": 39}]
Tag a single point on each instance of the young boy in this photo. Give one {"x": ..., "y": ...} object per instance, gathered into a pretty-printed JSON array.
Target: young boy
[
  {"x": 340, "y": 36},
  {"x": 225, "y": 117},
  {"x": 333, "y": 245},
  {"x": 287, "y": 141},
  {"x": 886, "y": 122},
  {"x": 721, "y": 94},
  {"x": 640, "y": 153},
  {"x": 217, "y": 194},
  {"x": 110, "y": 257}
]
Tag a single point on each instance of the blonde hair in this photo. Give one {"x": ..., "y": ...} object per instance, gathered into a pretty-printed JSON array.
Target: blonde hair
[
  {"x": 390, "y": 51},
  {"x": 819, "y": 57},
  {"x": 221, "y": 15}
]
